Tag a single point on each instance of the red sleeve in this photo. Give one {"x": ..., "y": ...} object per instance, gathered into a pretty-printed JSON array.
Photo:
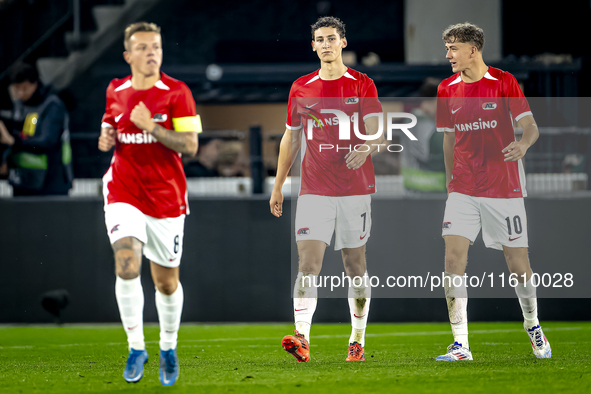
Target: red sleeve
[
  {"x": 444, "y": 121},
  {"x": 293, "y": 121},
  {"x": 518, "y": 104},
  {"x": 108, "y": 118},
  {"x": 184, "y": 104},
  {"x": 370, "y": 104}
]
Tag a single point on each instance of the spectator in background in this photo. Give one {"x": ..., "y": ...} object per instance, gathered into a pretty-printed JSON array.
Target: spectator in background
[
  {"x": 423, "y": 167},
  {"x": 206, "y": 162},
  {"x": 40, "y": 154},
  {"x": 233, "y": 160},
  {"x": 573, "y": 162}
]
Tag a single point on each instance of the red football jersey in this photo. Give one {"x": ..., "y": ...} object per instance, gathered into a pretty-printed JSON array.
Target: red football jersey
[
  {"x": 143, "y": 172},
  {"x": 482, "y": 114},
  {"x": 324, "y": 169}
]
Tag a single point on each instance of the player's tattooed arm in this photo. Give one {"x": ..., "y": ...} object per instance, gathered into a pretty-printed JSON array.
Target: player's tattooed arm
[
  {"x": 517, "y": 149},
  {"x": 449, "y": 142},
  {"x": 185, "y": 142}
]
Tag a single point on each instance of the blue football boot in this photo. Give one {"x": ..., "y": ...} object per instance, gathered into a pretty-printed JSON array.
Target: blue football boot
[
  {"x": 169, "y": 367},
  {"x": 134, "y": 370}
]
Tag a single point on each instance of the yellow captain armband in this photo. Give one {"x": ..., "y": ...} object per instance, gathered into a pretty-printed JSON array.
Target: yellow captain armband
[{"x": 188, "y": 123}]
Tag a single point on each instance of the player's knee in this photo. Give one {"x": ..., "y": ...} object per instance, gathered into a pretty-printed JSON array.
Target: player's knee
[
  {"x": 454, "y": 260},
  {"x": 518, "y": 267},
  {"x": 354, "y": 267},
  {"x": 167, "y": 287},
  {"x": 512, "y": 256},
  {"x": 353, "y": 256},
  {"x": 127, "y": 264},
  {"x": 509, "y": 259},
  {"x": 451, "y": 259},
  {"x": 310, "y": 265},
  {"x": 517, "y": 260},
  {"x": 127, "y": 274},
  {"x": 519, "y": 274},
  {"x": 356, "y": 271}
]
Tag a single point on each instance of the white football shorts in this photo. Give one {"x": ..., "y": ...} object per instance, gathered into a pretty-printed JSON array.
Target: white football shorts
[
  {"x": 503, "y": 220},
  {"x": 349, "y": 217},
  {"x": 162, "y": 238}
]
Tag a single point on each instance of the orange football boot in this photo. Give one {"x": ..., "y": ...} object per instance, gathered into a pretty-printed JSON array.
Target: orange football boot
[
  {"x": 298, "y": 346},
  {"x": 356, "y": 352}
]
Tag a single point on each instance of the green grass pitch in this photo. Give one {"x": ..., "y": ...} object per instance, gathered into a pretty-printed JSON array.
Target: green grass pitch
[{"x": 249, "y": 359}]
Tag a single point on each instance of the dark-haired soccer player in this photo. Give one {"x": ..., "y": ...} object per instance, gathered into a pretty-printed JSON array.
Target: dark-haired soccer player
[
  {"x": 336, "y": 182},
  {"x": 151, "y": 120},
  {"x": 486, "y": 183}
]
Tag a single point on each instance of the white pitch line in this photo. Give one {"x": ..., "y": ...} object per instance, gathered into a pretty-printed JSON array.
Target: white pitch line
[{"x": 385, "y": 334}]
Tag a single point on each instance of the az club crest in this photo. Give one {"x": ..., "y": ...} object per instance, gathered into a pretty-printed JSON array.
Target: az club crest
[{"x": 159, "y": 118}]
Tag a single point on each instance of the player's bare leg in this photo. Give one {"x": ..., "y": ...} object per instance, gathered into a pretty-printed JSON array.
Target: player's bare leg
[
  {"x": 128, "y": 289},
  {"x": 165, "y": 279},
  {"x": 311, "y": 254},
  {"x": 128, "y": 258},
  {"x": 456, "y": 259},
  {"x": 518, "y": 263},
  {"x": 456, "y": 254},
  {"x": 169, "y": 304},
  {"x": 305, "y": 293},
  {"x": 359, "y": 298},
  {"x": 130, "y": 299},
  {"x": 305, "y": 298},
  {"x": 354, "y": 261}
]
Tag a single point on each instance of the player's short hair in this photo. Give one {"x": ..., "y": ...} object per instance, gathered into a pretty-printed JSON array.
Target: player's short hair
[
  {"x": 329, "y": 21},
  {"x": 139, "y": 27},
  {"x": 22, "y": 72},
  {"x": 467, "y": 33}
]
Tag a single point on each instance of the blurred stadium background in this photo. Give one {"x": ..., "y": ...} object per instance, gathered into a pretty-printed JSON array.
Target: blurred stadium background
[{"x": 239, "y": 58}]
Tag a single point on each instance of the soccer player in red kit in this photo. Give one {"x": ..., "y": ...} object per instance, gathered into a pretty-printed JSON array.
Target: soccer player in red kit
[
  {"x": 151, "y": 120},
  {"x": 336, "y": 181},
  {"x": 476, "y": 109}
]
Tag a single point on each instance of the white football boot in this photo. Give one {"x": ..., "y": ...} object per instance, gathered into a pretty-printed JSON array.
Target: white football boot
[
  {"x": 539, "y": 343},
  {"x": 456, "y": 352}
]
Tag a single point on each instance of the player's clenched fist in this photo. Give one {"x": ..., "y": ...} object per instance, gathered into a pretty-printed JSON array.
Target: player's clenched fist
[
  {"x": 141, "y": 117},
  {"x": 107, "y": 139},
  {"x": 276, "y": 203}
]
